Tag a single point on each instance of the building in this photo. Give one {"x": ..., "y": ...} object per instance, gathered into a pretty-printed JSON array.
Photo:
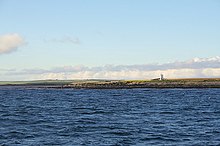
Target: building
[{"x": 161, "y": 77}]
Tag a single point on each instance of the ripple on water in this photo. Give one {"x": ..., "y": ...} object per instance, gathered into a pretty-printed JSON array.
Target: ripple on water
[{"x": 109, "y": 117}]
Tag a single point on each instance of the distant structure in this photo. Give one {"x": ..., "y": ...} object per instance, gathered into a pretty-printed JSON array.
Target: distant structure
[{"x": 161, "y": 77}]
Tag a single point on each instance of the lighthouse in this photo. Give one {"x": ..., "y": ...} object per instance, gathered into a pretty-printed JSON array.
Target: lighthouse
[{"x": 161, "y": 77}]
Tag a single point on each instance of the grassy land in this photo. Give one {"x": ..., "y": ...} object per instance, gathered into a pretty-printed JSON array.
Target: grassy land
[
  {"x": 107, "y": 82},
  {"x": 177, "y": 80},
  {"x": 48, "y": 82},
  {"x": 196, "y": 79},
  {"x": 37, "y": 82}
]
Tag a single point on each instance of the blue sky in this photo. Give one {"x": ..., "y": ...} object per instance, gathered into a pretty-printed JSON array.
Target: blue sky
[{"x": 50, "y": 34}]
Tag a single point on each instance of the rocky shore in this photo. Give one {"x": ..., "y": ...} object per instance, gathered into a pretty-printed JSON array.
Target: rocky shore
[
  {"x": 118, "y": 84},
  {"x": 146, "y": 84}
]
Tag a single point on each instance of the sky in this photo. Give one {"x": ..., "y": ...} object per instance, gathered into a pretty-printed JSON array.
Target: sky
[{"x": 109, "y": 39}]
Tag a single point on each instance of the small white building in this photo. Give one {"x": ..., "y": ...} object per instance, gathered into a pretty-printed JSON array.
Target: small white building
[{"x": 161, "y": 77}]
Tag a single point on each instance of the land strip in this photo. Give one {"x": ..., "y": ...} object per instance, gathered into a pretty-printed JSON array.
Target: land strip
[{"x": 118, "y": 84}]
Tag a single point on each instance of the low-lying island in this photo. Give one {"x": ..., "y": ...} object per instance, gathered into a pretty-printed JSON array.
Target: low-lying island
[
  {"x": 118, "y": 84},
  {"x": 168, "y": 83}
]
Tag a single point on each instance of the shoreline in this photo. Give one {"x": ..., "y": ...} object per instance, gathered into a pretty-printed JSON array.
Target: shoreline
[{"x": 117, "y": 84}]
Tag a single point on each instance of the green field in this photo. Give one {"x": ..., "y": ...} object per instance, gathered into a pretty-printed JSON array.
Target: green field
[
  {"x": 47, "y": 82},
  {"x": 36, "y": 82}
]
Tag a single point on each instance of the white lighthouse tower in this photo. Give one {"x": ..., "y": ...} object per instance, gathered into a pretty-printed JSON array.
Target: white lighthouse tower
[{"x": 161, "y": 77}]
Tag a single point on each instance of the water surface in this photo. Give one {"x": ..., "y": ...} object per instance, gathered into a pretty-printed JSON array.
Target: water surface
[{"x": 109, "y": 117}]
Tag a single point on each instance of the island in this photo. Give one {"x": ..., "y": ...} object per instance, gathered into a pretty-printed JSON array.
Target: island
[{"x": 117, "y": 84}]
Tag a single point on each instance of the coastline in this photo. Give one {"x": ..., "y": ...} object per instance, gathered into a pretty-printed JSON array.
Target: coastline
[{"x": 117, "y": 84}]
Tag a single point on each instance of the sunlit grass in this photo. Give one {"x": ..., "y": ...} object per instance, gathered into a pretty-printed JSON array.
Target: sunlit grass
[{"x": 94, "y": 81}]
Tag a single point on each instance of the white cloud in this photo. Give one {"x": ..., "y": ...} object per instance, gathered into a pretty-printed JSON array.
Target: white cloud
[
  {"x": 200, "y": 67},
  {"x": 171, "y": 73},
  {"x": 211, "y": 59},
  {"x": 211, "y": 72},
  {"x": 10, "y": 43}
]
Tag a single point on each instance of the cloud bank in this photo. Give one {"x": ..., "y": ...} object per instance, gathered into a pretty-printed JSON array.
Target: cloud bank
[
  {"x": 195, "y": 68},
  {"x": 10, "y": 43}
]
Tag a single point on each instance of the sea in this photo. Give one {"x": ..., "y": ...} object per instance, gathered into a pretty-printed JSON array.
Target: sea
[{"x": 68, "y": 117}]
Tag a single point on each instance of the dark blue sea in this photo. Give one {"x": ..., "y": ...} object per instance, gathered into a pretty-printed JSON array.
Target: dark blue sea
[{"x": 66, "y": 117}]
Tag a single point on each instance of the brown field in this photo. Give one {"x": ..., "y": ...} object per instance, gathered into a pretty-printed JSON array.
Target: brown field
[{"x": 195, "y": 79}]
